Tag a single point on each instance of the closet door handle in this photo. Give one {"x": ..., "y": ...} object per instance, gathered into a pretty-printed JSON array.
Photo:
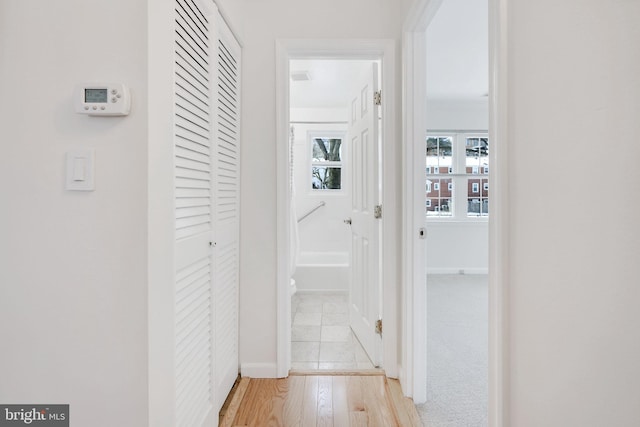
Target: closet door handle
[{"x": 347, "y": 221}]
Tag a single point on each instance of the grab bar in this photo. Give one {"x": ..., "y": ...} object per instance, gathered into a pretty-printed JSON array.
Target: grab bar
[{"x": 321, "y": 204}]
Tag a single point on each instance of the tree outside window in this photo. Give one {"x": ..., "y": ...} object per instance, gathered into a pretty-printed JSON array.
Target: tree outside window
[{"x": 326, "y": 164}]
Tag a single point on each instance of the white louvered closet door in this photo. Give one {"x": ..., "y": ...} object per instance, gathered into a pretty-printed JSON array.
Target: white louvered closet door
[
  {"x": 227, "y": 207},
  {"x": 207, "y": 195}
]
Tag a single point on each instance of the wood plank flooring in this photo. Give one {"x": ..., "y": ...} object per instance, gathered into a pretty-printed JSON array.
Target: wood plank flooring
[{"x": 320, "y": 400}]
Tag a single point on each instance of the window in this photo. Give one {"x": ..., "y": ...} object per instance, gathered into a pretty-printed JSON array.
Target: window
[
  {"x": 476, "y": 160},
  {"x": 326, "y": 163},
  {"x": 461, "y": 158},
  {"x": 439, "y": 190}
]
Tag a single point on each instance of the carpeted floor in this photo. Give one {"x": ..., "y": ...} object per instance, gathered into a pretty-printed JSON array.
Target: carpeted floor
[{"x": 457, "y": 327}]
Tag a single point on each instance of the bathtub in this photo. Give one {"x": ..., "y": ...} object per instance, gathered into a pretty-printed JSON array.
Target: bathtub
[{"x": 322, "y": 271}]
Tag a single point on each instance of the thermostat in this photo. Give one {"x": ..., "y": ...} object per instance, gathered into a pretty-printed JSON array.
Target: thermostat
[{"x": 100, "y": 99}]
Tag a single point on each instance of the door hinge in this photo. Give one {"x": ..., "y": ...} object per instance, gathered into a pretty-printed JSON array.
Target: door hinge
[
  {"x": 379, "y": 326},
  {"x": 377, "y": 97},
  {"x": 377, "y": 211}
]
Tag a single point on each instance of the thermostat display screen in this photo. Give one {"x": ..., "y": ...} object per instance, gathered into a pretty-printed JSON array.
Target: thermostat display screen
[{"x": 95, "y": 95}]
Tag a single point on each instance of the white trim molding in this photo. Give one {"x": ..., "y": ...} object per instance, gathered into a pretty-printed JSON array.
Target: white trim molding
[
  {"x": 413, "y": 370},
  {"x": 499, "y": 218},
  {"x": 258, "y": 370},
  {"x": 377, "y": 49}
]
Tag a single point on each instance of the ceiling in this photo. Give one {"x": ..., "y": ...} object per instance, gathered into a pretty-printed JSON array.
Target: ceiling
[
  {"x": 457, "y": 61},
  {"x": 458, "y": 51},
  {"x": 330, "y": 84}
]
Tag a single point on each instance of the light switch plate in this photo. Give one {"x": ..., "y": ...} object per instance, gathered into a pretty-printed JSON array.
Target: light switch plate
[{"x": 80, "y": 170}]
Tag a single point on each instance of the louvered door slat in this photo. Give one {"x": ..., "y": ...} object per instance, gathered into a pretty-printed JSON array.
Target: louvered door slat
[
  {"x": 189, "y": 56},
  {"x": 189, "y": 173},
  {"x": 187, "y": 112},
  {"x": 187, "y": 149},
  {"x": 191, "y": 131},
  {"x": 186, "y": 98},
  {"x": 192, "y": 78},
  {"x": 196, "y": 16},
  {"x": 191, "y": 164}
]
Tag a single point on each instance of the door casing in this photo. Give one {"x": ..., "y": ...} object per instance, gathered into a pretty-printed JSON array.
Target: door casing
[{"x": 378, "y": 49}]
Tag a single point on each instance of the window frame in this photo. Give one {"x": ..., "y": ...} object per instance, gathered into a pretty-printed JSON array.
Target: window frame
[
  {"x": 461, "y": 192},
  {"x": 343, "y": 164}
]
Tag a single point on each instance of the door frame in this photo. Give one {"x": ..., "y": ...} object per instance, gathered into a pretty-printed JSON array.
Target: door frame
[
  {"x": 414, "y": 363},
  {"x": 378, "y": 49}
]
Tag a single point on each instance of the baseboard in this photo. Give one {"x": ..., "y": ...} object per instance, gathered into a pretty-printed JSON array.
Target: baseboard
[
  {"x": 457, "y": 270},
  {"x": 259, "y": 370}
]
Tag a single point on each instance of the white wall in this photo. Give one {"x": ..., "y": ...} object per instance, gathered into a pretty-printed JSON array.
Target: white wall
[
  {"x": 573, "y": 270},
  {"x": 265, "y": 22},
  {"x": 458, "y": 114},
  {"x": 73, "y": 295},
  {"x": 457, "y": 247},
  {"x": 323, "y": 237},
  {"x": 323, "y": 230}
]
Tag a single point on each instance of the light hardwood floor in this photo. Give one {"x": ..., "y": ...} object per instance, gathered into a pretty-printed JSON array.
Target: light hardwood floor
[{"x": 339, "y": 400}]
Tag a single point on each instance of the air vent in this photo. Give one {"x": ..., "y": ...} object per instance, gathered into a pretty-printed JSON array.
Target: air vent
[{"x": 300, "y": 76}]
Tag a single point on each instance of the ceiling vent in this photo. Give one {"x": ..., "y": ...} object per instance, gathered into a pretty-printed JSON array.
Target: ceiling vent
[{"x": 300, "y": 76}]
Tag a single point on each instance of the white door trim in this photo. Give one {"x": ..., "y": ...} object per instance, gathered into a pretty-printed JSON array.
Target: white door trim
[
  {"x": 384, "y": 50},
  {"x": 413, "y": 369},
  {"x": 499, "y": 218}
]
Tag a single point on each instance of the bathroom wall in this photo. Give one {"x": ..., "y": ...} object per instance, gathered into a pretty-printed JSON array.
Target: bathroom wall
[
  {"x": 323, "y": 230},
  {"x": 324, "y": 238}
]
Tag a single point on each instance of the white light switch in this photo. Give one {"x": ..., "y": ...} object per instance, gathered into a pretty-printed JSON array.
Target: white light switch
[{"x": 80, "y": 170}]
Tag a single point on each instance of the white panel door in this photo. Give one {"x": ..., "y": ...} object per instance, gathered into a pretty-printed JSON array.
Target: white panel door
[
  {"x": 194, "y": 220},
  {"x": 365, "y": 289},
  {"x": 226, "y": 119}
]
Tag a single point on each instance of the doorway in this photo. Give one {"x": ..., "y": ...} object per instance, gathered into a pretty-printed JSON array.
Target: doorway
[
  {"x": 324, "y": 150},
  {"x": 322, "y": 179},
  {"x": 415, "y": 42}
]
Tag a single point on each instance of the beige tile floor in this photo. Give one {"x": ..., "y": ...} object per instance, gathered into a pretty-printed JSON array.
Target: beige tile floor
[{"x": 320, "y": 334}]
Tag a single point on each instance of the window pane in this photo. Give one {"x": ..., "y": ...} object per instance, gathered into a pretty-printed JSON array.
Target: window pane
[
  {"x": 477, "y": 197},
  {"x": 327, "y": 150},
  {"x": 477, "y": 155},
  {"x": 439, "y": 152},
  {"x": 439, "y": 195},
  {"x": 326, "y": 178}
]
